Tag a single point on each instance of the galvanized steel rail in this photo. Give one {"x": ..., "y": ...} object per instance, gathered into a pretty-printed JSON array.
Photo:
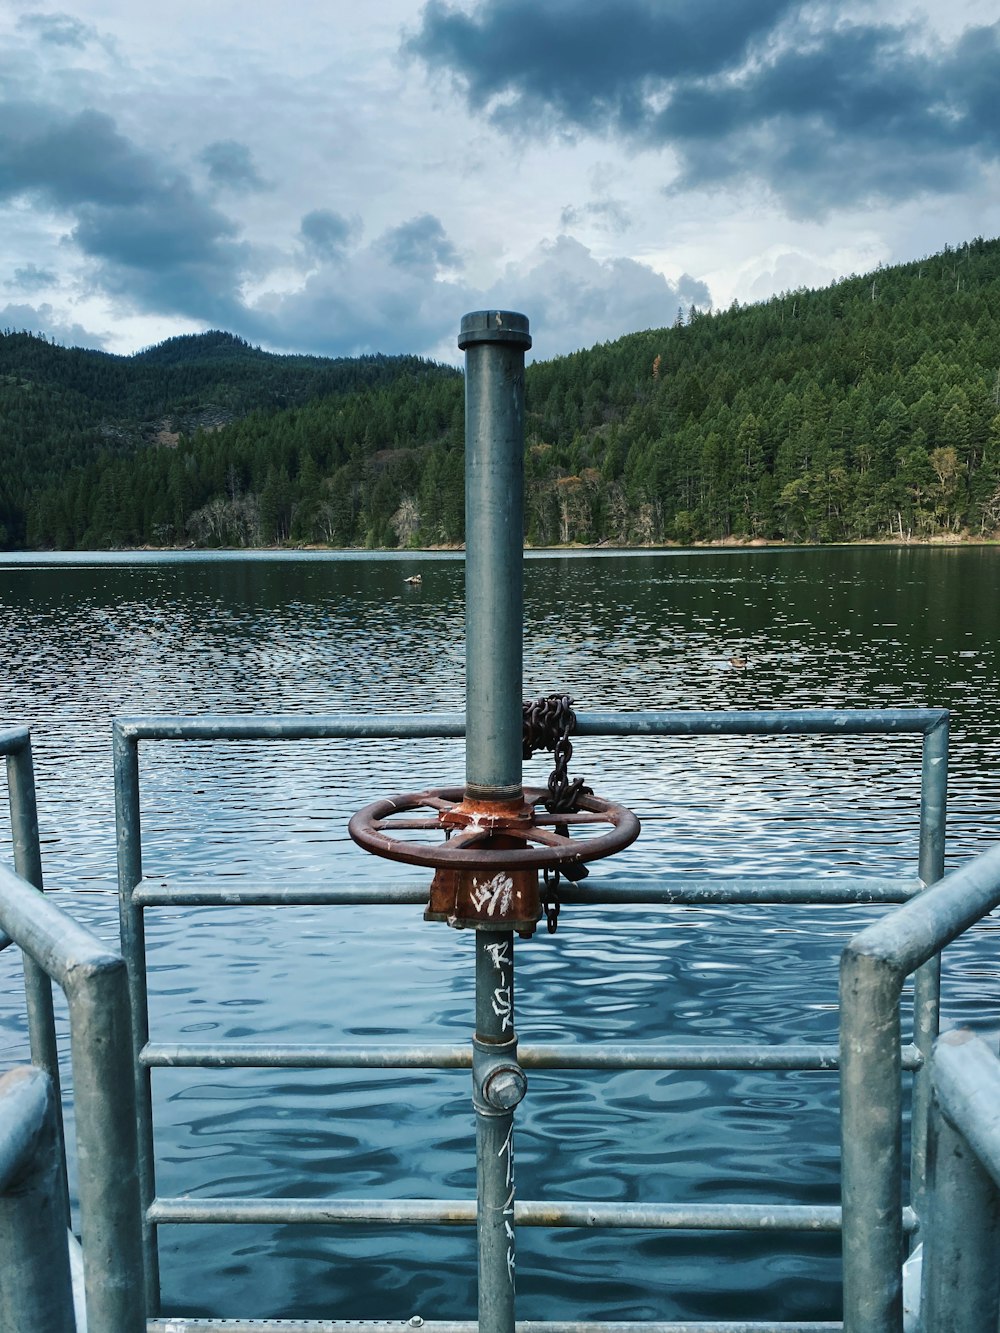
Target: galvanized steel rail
[
  {"x": 137, "y": 896},
  {"x": 418, "y": 1325},
  {"x": 36, "y": 1292},
  {"x": 15, "y": 744},
  {"x": 961, "y": 1235},
  {"x": 92, "y": 975},
  {"x": 873, "y": 969}
]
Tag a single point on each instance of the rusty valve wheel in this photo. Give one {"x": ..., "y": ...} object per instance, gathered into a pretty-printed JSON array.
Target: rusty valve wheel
[{"x": 500, "y": 826}]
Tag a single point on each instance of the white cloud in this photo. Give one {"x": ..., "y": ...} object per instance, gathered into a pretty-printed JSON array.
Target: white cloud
[{"x": 358, "y": 145}]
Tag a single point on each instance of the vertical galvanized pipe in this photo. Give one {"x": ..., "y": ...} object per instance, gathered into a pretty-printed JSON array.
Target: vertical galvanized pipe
[
  {"x": 111, "y": 1208},
  {"x": 36, "y": 1294},
  {"x": 871, "y": 1143},
  {"x": 133, "y": 938},
  {"x": 495, "y": 1135},
  {"x": 37, "y": 986},
  {"x": 494, "y": 342},
  {"x": 961, "y": 1229},
  {"x": 927, "y": 981}
]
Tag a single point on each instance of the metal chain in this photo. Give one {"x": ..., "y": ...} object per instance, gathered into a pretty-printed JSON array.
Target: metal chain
[{"x": 548, "y": 722}]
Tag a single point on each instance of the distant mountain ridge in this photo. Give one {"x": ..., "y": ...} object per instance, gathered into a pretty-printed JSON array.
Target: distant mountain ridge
[
  {"x": 864, "y": 410},
  {"x": 62, "y": 408}
]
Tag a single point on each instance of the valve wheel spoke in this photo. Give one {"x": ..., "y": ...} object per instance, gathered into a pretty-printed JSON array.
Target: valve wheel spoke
[
  {"x": 572, "y": 817},
  {"x": 389, "y": 824},
  {"x": 548, "y": 839},
  {"x": 496, "y": 843}
]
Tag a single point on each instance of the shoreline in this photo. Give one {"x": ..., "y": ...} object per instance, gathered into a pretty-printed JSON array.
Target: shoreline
[{"x": 606, "y": 547}]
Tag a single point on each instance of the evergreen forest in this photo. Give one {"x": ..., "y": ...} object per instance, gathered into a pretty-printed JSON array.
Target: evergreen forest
[{"x": 866, "y": 410}]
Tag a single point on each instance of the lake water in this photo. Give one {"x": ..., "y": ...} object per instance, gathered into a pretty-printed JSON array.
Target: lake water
[{"x": 89, "y": 638}]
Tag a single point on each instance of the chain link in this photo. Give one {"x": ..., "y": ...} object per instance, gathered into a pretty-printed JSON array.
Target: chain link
[{"x": 548, "y": 722}]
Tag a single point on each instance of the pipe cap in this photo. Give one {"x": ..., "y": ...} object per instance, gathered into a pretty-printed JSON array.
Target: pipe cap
[{"x": 494, "y": 326}]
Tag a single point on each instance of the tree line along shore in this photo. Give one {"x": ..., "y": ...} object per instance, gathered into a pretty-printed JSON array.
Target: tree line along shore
[{"x": 868, "y": 410}]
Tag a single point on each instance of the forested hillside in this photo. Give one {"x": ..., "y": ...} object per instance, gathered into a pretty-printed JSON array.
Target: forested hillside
[
  {"x": 867, "y": 409},
  {"x": 67, "y": 412}
]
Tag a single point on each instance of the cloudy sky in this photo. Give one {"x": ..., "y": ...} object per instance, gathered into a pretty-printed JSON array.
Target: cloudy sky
[{"x": 347, "y": 176}]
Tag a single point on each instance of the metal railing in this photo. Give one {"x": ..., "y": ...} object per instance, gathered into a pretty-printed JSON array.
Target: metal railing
[
  {"x": 961, "y": 1272},
  {"x": 93, "y": 977},
  {"x": 36, "y": 1291},
  {"x": 15, "y": 745},
  {"x": 874, "y": 967},
  {"x": 137, "y": 896}
]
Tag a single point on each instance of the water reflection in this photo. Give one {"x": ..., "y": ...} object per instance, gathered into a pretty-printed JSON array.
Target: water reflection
[{"x": 89, "y": 640}]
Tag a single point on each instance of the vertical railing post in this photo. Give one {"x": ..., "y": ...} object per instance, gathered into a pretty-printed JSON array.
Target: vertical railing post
[
  {"x": 871, "y": 1143},
  {"x": 961, "y": 1229},
  {"x": 133, "y": 937},
  {"x": 36, "y": 1294},
  {"x": 37, "y": 986},
  {"x": 927, "y": 980},
  {"x": 104, "y": 1111},
  {"x": 494, "y": 342}
]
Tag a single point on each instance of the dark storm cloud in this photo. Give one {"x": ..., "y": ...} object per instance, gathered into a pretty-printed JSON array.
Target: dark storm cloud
[
  {"x": 169, "y": 252},
  {"x": 231, "y": 164},
  {"x": 326, "y": 233},
  {"x": 421, "y": 243},
  {"x": 820, "y": 110},
  {"x": 67, "y": 160},
  {"x": 586, "y": 62},
  {"x": 153, "y": 239}
]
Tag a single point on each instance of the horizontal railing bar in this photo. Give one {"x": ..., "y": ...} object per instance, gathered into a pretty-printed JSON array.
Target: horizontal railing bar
[
  {"x": 585, "y": 1055},
  {"x": 905, "y": 939},
  {"x": 293, "y": 727},
  {"x": 182, "y": 1324},
  {"x": 675, "y": 891},
  {"x": 243, "y": 1055},
  {"x": 765, "y": 722},
  {"x": 462, "y": 1212},
  {"x": 773, "y": 889},
  {"x": 648, "y": 722}
]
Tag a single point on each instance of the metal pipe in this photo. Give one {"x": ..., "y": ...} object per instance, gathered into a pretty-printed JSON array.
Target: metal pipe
[
  {"x": 531, "y": 1213},
  {"x": 125, "y": 750},
  {"x": 960, "y": 1275},
  {"x": 927, "y": 982},
  {"x": 906, "y": 938},
  {"x": 28, "y": 864},
  {"x": 494, "y": 342},
  {"x": 871, "y": 1143},
  {"x": 668, "y": 890},
  {"x": 765, "y": 722},
  {"x": 495, "y": 1134},
  {"x": 94, "y": 979},
  {"x": 181, "y": 1324},
  {"x": 967, "y": 1077},
  {"x": 36, "y": 1293},
  {"x": 564, "y": 1055},
  {"x": 643, "y": 722}
]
